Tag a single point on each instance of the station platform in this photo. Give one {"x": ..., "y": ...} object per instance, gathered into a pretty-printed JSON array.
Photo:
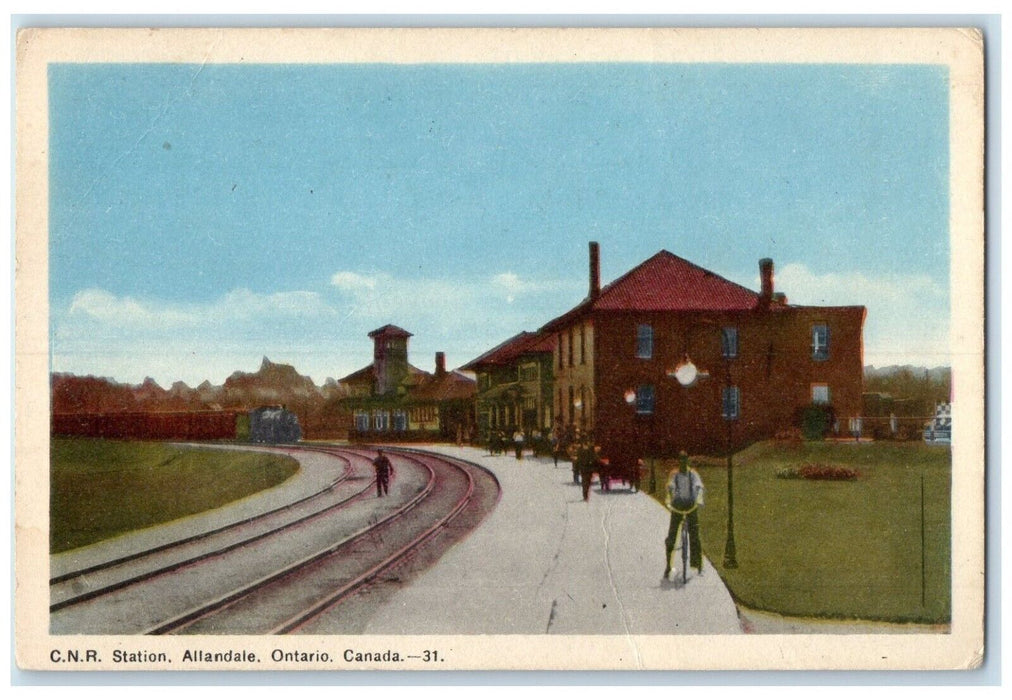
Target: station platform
[{"x": 547, "y": 562}]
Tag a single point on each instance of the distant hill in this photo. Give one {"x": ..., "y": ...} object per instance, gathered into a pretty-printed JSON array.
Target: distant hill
[{"x": 273, "y": 383}]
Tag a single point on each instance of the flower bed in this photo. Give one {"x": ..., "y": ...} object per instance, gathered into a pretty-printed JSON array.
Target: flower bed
[{"x": 818, "y": 472}]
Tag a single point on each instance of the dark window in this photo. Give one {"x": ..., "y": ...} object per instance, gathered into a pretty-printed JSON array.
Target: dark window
[
  {"x": 729, "y": 342},
  {"x": 644, "y": 341},
  {"x": 558, "y": 343},
  {"x": 361, "y": 421},
  {"x": 583, "y": 346},
  {"x": 400, "y": 420},
  {"x": 730, "y": 403},
  {"x": 820, "y": 341},
  {"x": 570, "y": 353},
  {"x": 572, "y": 413},
  {"x": 645, "y": 398}
]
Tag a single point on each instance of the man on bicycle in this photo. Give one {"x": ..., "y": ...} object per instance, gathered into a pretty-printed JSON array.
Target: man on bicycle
[{"x": 684, "y": 499}]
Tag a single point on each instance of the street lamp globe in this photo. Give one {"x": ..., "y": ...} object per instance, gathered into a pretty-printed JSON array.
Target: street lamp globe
[{"x": 686, "y": 373}]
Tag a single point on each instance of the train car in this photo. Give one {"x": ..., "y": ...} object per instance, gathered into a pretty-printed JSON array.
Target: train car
[
  {"x": 147, "y": 425},
  {"x": 274, "y": 424}
]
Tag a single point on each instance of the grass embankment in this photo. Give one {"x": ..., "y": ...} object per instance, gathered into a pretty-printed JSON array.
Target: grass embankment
[
  {"x": 103, "y": 488},
  {"x": 834, "y": 549}
]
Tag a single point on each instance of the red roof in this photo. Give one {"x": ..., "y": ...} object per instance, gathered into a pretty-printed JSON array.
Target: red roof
[
  {"x": 523, "y": 343},
  {"x": 452, "y": 385},
  {"x": 665, "y": 282},
  {"x": 368, "y": 373}
]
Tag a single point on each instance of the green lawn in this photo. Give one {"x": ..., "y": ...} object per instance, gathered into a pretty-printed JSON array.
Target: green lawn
[
  {"x": 102, "y": 488},
  {"x": 834, "y": 549}
]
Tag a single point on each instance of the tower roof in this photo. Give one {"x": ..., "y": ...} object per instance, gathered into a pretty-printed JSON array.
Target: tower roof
[{"x": 390, "y": 331}]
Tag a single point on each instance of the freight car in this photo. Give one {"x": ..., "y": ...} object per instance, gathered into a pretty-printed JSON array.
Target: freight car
[
  {"x": 147, "y": 425},
  {"x": 268, "y": 424}
]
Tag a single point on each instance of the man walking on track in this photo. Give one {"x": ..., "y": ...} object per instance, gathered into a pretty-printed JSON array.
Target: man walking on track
[
  {"x": 383, "y": 469},
  {"x": 684, "y": 499}
]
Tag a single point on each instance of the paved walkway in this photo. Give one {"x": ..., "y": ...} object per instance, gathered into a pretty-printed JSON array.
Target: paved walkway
[{"x": 547, "y": 562}]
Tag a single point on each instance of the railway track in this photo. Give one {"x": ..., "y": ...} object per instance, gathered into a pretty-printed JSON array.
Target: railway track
[
  {"x": 287, "y": 569},
  {"x": 80, "y": 585}
]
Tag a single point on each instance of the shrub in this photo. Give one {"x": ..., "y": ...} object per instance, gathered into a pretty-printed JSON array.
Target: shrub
[
  {"x": 815, "y": 420},
  {"x": 818, "y": 472},
  {"x": 825, "y": 472}
]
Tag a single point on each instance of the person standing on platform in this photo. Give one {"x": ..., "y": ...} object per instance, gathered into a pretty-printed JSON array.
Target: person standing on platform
[
  {"x": 574, "y": 449},
  {"x": 518, "y": 443},
  {"x": 535, "y": 442},
  {"x": 383, "y": 469},
  {"x": 589, "y": 459}
]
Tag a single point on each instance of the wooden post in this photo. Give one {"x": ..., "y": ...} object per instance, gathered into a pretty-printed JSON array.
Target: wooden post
[{"x": 923, "y": 573}]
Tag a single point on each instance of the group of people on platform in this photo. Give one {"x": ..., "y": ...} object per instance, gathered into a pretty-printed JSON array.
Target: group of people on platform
[
  {"x": 539, "y": 443},
  {"x": 684, "y": 492},
  {"x": 572, "y": 445}
]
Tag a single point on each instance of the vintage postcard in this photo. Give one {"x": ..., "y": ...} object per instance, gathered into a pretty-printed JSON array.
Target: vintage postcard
[{"x": 487, "y": 349}]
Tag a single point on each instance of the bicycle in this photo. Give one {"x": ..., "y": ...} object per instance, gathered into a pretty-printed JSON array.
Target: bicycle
[{"x": 683, "y": 532}]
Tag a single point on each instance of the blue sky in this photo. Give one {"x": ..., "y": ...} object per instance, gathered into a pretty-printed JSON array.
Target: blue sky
[{"x": 204, "y": 216}]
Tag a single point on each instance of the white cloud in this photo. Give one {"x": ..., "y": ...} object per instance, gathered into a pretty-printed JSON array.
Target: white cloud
[
  {"x": 446, "y": 303},
  {"x": 322, "y": 334},
  {"x": 908, "y": 315},
  {"x": 128, "y": 338},
  {"x": 102, "y": 306},
  {"x": 350, "y": 281},
  {"x": 105, "y": 308}
]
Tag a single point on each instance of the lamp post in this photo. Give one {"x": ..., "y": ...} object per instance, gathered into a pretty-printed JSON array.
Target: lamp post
[
  {"x": 730, "y": 412},
  {"x": 687, "y": 373},
  {"x": 630, "y": 398}
]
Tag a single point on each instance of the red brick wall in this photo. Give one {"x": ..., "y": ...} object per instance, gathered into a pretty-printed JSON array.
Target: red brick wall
[{"x": 774, "y": 371}]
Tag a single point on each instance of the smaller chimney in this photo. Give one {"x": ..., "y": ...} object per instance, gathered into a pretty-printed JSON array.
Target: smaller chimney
[
  {"x": 595, "y": 270},
  {"x": 440, "y": 364},
  {"x": 766, "y": 276}
]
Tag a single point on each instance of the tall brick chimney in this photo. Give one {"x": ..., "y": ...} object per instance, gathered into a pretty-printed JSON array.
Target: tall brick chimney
[
  {"x": 766, "y": 277},
  {"x": 595, "y": 270},
  {"x": 440, "y": 364}
]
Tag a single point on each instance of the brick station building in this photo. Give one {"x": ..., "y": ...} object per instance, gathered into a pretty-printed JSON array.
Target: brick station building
[
  {"x": 391, "y": 399},
  {"x": 515, "y": 383},
  {"x": 671, "y": 356}
]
